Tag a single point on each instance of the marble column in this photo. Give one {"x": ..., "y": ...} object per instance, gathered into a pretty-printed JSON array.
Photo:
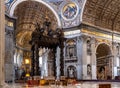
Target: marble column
[
  {"x": 114, "y": 60},
  {"x": 79, "y": 56},
  {"x": 93, "y": 59},
  {"x": 83, "y": 55},
  {"x": 2, "y": 41}
]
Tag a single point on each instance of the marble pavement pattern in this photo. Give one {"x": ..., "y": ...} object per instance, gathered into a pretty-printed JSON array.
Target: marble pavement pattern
[{"x": 80, "y": 85}]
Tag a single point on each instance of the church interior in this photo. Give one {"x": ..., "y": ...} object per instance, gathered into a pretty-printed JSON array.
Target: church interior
[{"x": 59, "y": 43}]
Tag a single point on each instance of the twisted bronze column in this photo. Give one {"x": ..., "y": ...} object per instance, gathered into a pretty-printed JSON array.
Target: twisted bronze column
[
  {"x": 61, "y": 56},
  {"x": 36, "y": 60},
  {"x": 55, "y": 72},
  {"x": 32, "y": 61}
]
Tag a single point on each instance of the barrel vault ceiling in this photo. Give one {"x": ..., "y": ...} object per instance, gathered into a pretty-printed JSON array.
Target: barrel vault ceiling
[{"x": 103, "y": 13}]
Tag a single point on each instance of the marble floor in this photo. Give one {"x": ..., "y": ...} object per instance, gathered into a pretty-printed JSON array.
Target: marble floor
[{"x": 79, "y": 85}]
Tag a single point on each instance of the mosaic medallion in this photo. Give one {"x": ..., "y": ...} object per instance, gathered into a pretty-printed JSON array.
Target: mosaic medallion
[
  {"x": 69, "y": 11},
  {"x": 8, "y": 1},
  {"x": 7, "y": 4}
]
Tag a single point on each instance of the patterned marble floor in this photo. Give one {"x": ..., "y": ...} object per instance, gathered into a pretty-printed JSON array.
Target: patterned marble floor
[{"x": 80, "y": 85}]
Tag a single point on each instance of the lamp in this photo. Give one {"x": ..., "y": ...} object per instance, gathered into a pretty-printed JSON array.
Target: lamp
[
  {"x": 27, "y": 61},
  {"x": 27, "y": 75}
]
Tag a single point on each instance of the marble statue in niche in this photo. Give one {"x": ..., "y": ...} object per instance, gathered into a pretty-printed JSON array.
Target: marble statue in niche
[
  {"x": 88, "y": 47},
  {"x": 71, "y": 49},
  {"x": 88, "y": 69},
  {"x": 118, "y": 50},
  {"x": 101, "y": 73},
  {"x": 118, "y": 71},
  {"x": 71, "y": 70}
]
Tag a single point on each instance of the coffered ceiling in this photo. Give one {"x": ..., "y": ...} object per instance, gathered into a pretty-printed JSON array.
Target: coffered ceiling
[{"x": 103, "y": 13}]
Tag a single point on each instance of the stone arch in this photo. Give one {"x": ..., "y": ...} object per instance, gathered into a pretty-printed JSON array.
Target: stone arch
[
  {"x": 104, "y": 61},
  {"x": 15, "y": 4},
  {"x": 105, "y": 44},
  {"x": 105, "y": 47}
]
